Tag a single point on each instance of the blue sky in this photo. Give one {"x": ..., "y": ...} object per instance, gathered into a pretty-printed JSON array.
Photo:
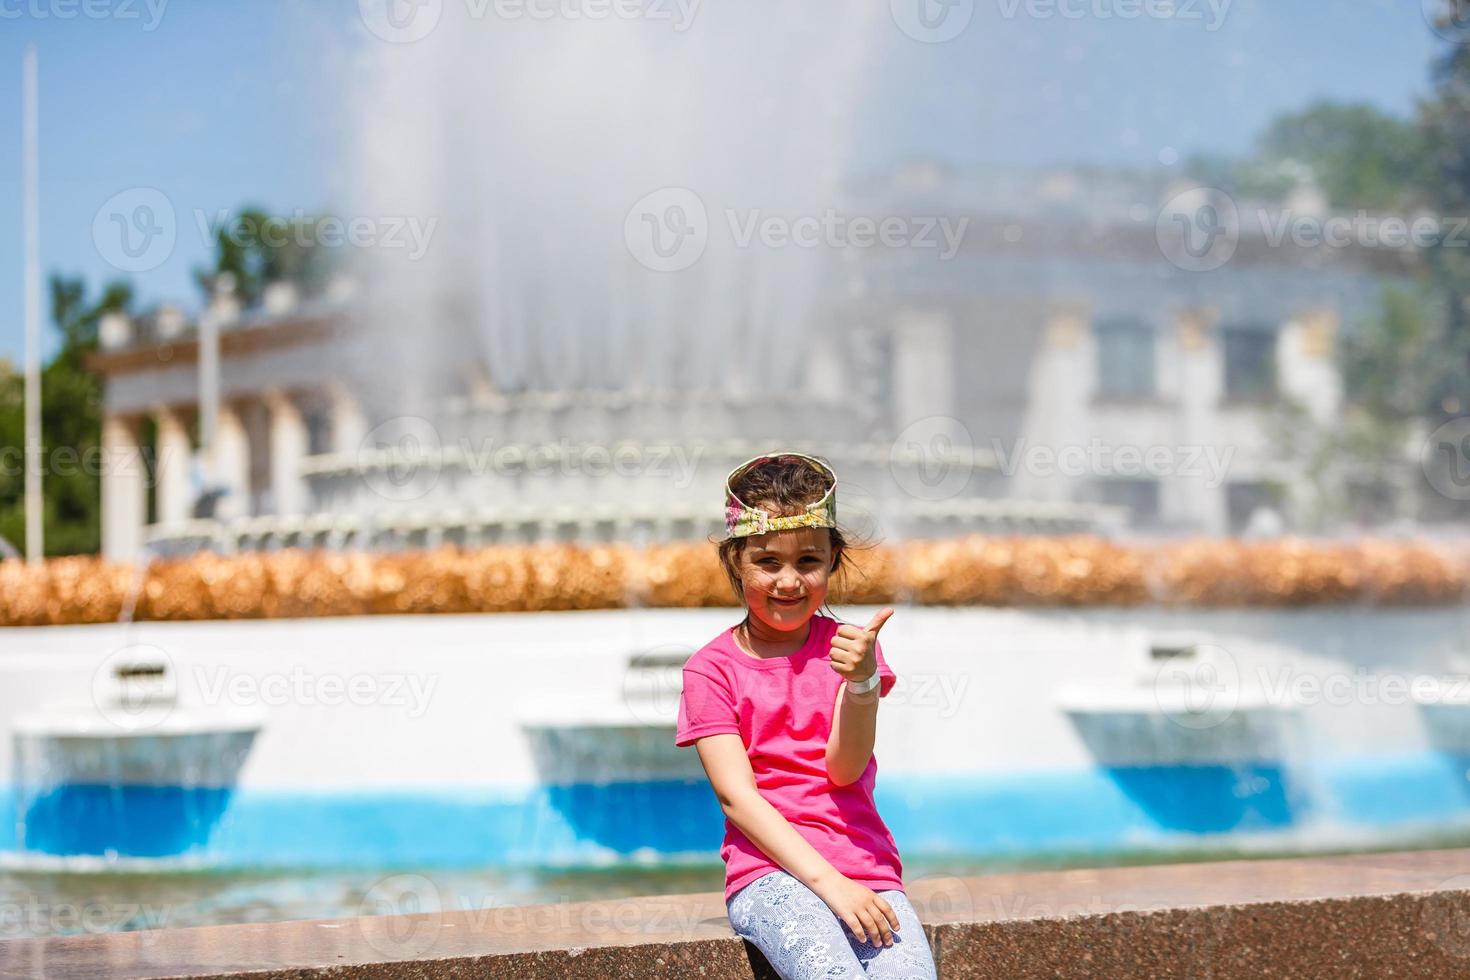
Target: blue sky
[{"x": 220, "y": 104}]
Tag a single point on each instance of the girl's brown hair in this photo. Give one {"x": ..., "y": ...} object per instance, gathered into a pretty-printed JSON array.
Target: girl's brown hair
[{"x": 783, "y": 486}]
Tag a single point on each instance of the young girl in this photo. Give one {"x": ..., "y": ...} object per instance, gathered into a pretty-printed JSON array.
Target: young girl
[{"x": 782, "y": 709}]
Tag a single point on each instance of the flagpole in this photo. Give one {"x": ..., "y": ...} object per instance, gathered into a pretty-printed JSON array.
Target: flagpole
[{"x": 35, "y": 549}]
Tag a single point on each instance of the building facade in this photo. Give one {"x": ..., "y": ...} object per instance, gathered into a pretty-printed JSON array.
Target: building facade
[{"x": 1061, "y": 371}]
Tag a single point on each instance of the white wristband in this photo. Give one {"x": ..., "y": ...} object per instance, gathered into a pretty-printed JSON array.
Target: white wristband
[{"x": 865, "y": 686}]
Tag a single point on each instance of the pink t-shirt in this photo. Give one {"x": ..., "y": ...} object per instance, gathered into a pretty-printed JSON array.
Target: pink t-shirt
[{"x": 781, "y": 707}]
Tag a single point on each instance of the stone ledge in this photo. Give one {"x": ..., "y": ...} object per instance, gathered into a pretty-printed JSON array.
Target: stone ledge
[{"x": 1400, "y": 915}]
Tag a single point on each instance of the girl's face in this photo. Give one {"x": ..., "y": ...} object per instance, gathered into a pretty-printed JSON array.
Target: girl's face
[{"x": 784, "y": 575}]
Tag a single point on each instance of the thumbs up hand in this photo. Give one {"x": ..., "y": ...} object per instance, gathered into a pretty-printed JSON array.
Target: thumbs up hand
[{"x": 852, "y": 654}]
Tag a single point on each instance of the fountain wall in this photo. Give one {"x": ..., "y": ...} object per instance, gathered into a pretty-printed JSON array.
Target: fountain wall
[{"x": 536, "y": 737}]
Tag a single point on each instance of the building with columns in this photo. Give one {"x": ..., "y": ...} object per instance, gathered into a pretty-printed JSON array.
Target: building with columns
[
  {"x": 1058, "y": 373},
  {"x": 1097, "y": 364}
]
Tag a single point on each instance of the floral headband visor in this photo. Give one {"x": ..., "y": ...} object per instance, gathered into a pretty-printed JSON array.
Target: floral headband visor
[{"x": 742, "y": 520}]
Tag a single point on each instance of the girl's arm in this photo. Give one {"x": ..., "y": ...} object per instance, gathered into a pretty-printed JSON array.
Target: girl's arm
[
  {"x": 728, "y": 768},
  {"x": 854, "y": 728},
  {"x": 854, "y": 657}
]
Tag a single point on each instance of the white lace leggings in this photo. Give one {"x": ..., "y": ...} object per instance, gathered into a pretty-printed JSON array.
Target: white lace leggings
[{"x": 803, "y": 938}]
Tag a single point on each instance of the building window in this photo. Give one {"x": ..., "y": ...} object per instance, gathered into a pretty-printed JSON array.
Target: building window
[
  {"x": 318, "y": 422},
  {"x": 1139, "y": 497},
  {"x": 1250, "y": 362},
  {"x": 1125, "y": 358}
]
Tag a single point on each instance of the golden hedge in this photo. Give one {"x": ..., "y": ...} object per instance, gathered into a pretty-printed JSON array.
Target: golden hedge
[{"x": 974, "y": 570}]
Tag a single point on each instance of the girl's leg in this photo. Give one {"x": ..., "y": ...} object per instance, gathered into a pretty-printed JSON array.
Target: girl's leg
[
  {"x": 909, "y": 957},
  {"x": 795, "y": 929}
]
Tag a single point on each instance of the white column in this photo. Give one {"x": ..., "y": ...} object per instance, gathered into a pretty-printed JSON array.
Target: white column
[
  {"x": 288, "y": 445},
  {"x": 1202, "y": 373},
  {"x": 349, "y": 428},
  {"x": 923, "y": 366},
  {"x": 175, "y": 501},
  {"x": 1056, "y": 418},
  {"x": 232, "y": 464},
  {"x": 1305, "y": 363},
  {"x": 124, "y": 491}
]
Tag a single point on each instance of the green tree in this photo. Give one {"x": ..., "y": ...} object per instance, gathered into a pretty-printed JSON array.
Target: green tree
[
  {"x": 258, "y": 248},
  {"x": 71, "y": 425},
  {"x": 1354, "y": 467},
  {"x": 1358, "y": 155},
  {"x": 1446, "y": 122}
]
